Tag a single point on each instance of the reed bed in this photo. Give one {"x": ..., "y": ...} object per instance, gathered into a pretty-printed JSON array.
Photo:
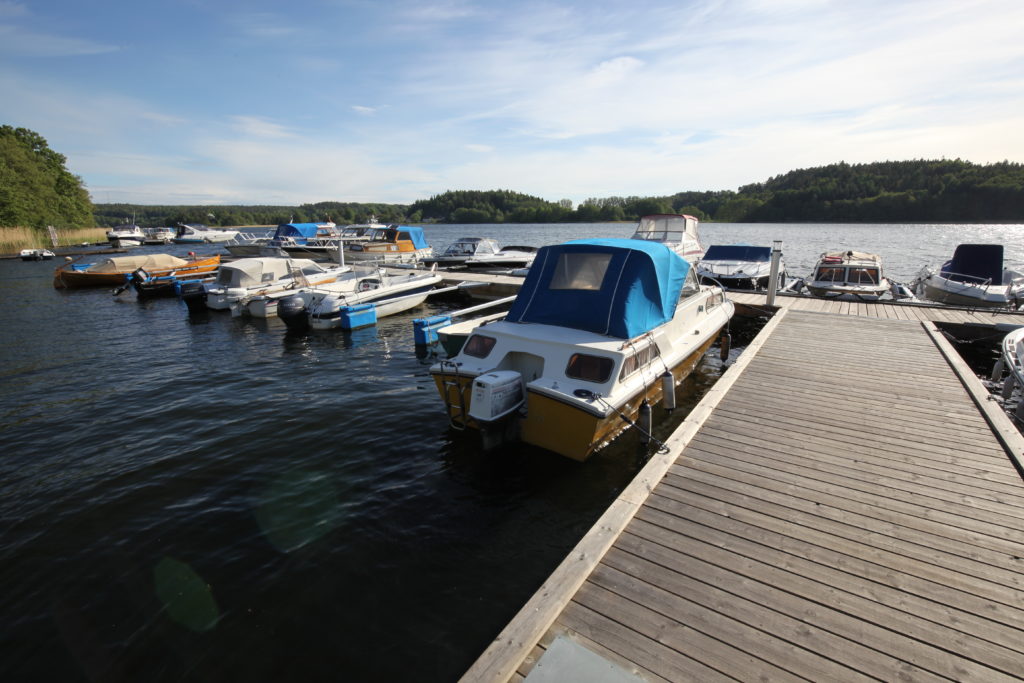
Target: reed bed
[{"x": 13, "y": 240}]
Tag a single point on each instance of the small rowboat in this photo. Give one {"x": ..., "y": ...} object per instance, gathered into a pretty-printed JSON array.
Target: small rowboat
[{"x": 115, "y": 270}]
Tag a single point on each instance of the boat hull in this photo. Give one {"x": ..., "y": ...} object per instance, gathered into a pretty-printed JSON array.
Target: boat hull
[
  {"x": 65, "y": 277},
  {"x": 561, "y": 427},
  {"x": 951, "y": 293}
]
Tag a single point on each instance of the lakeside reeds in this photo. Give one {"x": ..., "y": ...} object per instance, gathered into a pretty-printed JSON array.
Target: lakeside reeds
[{"x": 13, "y": 240}]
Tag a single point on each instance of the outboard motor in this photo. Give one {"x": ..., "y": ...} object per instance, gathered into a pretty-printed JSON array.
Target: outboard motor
[
  {"x": 496, "y": 399},
  {"x": 194, "y": 295},
  {"x": 292, "y": 312}
]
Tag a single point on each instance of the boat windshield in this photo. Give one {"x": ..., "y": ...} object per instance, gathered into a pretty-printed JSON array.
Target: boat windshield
[
  {"x": 863, "y": 276},
  {"x": 831, "y": 274},
  {"x": 737, "y": 252}
]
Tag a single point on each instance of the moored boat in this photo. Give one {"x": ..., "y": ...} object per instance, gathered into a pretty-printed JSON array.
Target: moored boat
[
  {"x": 849, "y": 274},
  {"x": 358, "y": 299},
  {"x": 600, "y": 329},
  {"x": 196, "y": 233},
  {"x": 36, "y": 255},
  {"x": 975, "y": 277},
  {"x": 239, "y": 281},
  {"x": 679, "y": 232},
  {"x": 114, "y": 270},
  {"x": 392, "y": 244},
  {"x": 158, "y": 235},
  {"x": 482, "y": 252},
  {"x": 738, "y": 266},
  {"x": 128, "y": 235}
]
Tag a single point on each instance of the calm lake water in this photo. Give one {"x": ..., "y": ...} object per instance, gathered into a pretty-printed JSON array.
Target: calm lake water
[{"x": 210, "y": 499}]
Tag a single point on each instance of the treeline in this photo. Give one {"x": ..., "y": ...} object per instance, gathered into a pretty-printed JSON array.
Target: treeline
[
  {"x": 882, "y": 192},
  {"x": 342, "y": 213},
  {"x": 36, "y": 188}
]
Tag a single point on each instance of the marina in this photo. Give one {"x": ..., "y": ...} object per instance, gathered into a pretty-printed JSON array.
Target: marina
[{"x": 305, "y": 487}]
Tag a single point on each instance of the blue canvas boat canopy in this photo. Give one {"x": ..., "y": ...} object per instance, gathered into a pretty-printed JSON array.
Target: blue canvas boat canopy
[
  {"x": 737, "y": 252},
  {"x": 419, "y": 240},
  {"x": 617, "y": 287},
  {"x": 974, "y": 263},
  {"x": 300, "y": 232}
]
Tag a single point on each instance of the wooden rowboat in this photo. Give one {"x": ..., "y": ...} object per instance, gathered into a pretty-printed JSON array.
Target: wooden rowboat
[{"x": 114, "y": 270}]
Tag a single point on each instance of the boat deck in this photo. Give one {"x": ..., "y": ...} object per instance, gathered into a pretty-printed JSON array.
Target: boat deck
[{"x": 844, "y": 504}]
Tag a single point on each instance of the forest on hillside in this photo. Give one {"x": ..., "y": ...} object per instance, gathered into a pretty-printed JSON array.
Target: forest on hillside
[{"x": 940, "y": 191}]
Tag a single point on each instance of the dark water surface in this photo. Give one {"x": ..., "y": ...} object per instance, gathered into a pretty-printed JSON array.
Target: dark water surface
[{"x": 210, "y": 499}]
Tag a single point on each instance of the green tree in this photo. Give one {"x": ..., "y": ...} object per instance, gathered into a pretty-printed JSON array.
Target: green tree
[{"x": 36, "y": 188}]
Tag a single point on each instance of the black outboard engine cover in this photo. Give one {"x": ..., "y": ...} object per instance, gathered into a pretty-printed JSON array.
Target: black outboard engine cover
[
  {"x": 194, "y": 296},
  {"x": 292, "y": 312}
]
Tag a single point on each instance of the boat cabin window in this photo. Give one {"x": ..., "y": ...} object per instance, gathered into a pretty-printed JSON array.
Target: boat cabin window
[
  {"x": 404, "y": 236},
  {"x": 478, "y": 346},
  {"x": 639, "y": 358},
  {"x": 691, "y": 285},
  {"x": 863, "y": 276},
  {"x": 580, "y": 271},
  {"x": 831, "y": 274},
  {"x": 589, "y": 368}
]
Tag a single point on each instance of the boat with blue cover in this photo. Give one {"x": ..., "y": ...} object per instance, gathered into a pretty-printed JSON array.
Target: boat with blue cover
[
  {"x": 600, "y": 329},
  {"x": 391, "y": 244},
  {"x": 975, "y": 277}
]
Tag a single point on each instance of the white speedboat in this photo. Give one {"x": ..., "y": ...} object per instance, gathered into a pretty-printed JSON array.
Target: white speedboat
[
  {"x": 849, "y": 275},
  {"x": 127, "y": 235},
  {"x": 600, "y": 330},
  {"x": 677, "y": 231},
  {"x": 196, "y": 233},
  {"x": 482, "y": 252},
  {"x": 36, "y": 255},
  {"x": 239, "y": 281},
  {"x": 739, "y": 266},
  {"x": 358, "y": 299},
  {"x": 158, "y": 235},
  {"x": 975, "y": 276}
]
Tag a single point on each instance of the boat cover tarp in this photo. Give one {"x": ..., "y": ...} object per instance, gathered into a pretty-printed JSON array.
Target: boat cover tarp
[
  {"x": 737, "y": 252},
  {"x": 635, "y": 287},
  {"x": 126, "y": 264},
  {"x": 661, "y": 226},
  {"x": 250, "y": 272},
  {"x": 974, "y": 262},
  {"x": 298, "y": 231},
  {"x": 419, "y": 240}
]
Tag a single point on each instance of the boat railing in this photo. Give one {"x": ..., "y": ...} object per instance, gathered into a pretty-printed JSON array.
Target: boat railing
[{"x": 975, "y": 280}]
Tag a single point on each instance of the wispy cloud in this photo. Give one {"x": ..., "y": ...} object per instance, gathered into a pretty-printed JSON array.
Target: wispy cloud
[
  {"x": 365, "y": 111},
  {"x": 261, "y": 128},
  {"x": 21, "y": 42}
]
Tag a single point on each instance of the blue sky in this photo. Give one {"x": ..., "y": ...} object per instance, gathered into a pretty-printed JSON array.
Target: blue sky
[{"x": 225, "y": 102}]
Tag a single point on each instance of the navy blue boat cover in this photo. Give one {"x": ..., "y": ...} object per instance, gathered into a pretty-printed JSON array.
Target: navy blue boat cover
[
  {"x": 617, "y": 287},
  {"x": 299, "y": 231},
  {"x": 977, "y": 261},
  {"x": 737, "y": 252}
]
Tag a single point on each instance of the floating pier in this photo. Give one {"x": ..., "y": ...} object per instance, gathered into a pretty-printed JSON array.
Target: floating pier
[{"x": 846, "y": 503}]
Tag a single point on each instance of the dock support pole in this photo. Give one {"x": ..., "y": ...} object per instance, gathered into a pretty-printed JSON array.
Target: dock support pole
[{"x": 773, "y": 276}]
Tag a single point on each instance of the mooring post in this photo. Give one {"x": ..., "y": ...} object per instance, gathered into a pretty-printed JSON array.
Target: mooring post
[{"x": 773, "y": 277}]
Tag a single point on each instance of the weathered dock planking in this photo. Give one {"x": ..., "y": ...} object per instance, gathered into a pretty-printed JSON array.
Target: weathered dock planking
[{"x": 844, "y": 504}]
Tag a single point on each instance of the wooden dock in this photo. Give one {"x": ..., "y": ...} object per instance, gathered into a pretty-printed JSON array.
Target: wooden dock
[{"x": 844, "y": 504}]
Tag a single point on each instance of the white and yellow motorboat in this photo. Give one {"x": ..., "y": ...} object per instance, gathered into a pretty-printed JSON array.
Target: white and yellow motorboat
[{"x": 599, "y": 328}]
